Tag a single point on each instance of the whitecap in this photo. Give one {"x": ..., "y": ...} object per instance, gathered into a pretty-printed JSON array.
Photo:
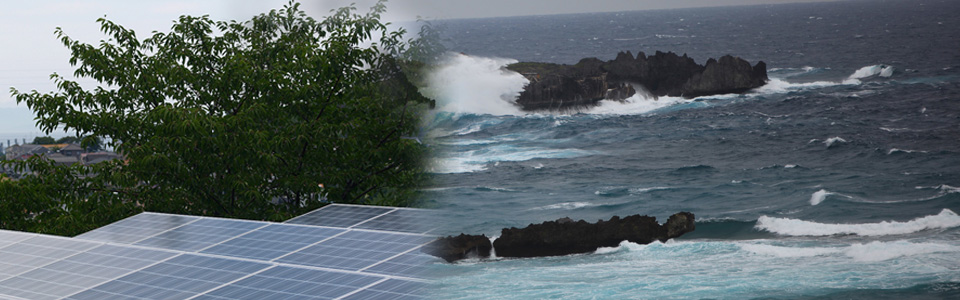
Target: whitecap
[
  {"x": 833, "y": 141},
  {"x": 565, "y": 205},
  {"x": 819, "y": 196},
  {"x": 793, "y": 227}
]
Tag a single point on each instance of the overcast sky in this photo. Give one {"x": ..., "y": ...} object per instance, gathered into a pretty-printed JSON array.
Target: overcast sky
[{"x": 31, "y": 52}]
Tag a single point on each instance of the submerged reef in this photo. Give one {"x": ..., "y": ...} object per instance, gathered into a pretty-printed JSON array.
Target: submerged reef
[
  {"x": 561, "y": 87},
  {"x": 562, "y": 237}
]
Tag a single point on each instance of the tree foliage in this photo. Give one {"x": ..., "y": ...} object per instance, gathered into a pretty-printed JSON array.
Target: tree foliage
[
  {"x": 43, "y": 140},
  {"x": 263, "y": 119}
]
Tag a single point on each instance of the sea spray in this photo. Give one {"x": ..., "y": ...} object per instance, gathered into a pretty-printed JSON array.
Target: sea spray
[{"x": 478, "y": 85}]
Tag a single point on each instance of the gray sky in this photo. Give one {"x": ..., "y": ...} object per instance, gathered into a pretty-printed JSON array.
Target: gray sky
[{"x": 31, "y": 52}]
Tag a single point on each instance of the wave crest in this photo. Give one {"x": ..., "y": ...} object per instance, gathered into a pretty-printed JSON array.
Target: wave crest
[{"x": 793, "y": 227}]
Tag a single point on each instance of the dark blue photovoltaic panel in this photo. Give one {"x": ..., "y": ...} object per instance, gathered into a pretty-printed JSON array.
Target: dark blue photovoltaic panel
[
  {"x": 36, "y": 252},
  {"x": 411, "y": 264},
  {"x": 393, "y": 289},
  {"x": 403, "y": 220},
  {"x": 342, "y": 216},
  {"x": 273, "y": 241},
  {"x": 355, "y": 250},
  {"x": 81, "y": 271},
  {"x": 180, "y": 277},
  {"x": 292, "y": 283},
  {"x": 135, "y": 228},
  {"x": 200, "y": 234}
]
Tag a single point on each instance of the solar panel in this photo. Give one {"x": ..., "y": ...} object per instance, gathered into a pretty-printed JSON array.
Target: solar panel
[
  {"x": 343, "y": 216},
  {"x": 181, "y": 277},
  {"x": 79, "y": 272},
  {"x": 411, "y": 264},
  {"x": 161, "y": 256},
  {"x": 200, "y": 234},
  {"x": 135, "y": 228},
  {"x": 36, "y": 252},
  {"x": 403, "y": 220},
  {"x": 355, "y": 250},
  {"x": 273, "y": 241},
  {"x": 392, "y": 289},
  {"x": 293, "y": 283}
]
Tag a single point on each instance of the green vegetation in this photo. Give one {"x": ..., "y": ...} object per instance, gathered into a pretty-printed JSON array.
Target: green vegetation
[
  {"x": 264, "y": 119},
  {"x": 43, "y": 140}
]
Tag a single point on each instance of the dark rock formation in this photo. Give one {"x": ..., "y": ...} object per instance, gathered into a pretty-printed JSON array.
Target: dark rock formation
[
  {"x": 453, "y": 248},
  {"x": 554, "y": 86},
  {"x": 565, "y": 236}
]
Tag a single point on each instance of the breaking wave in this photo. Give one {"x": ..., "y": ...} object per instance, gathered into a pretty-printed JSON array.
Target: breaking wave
[{"x": 793, "y": 227}]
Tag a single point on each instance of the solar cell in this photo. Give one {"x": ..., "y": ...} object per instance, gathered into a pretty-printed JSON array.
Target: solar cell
[
  {"x": 411, "y": 264},
  {"x": 272, "y": 241},
  {"x": 36, "y": 252},
  {"x": 403, "y": 220},
  {"x": 355, "y": 250},
  {"x": 200, "y": 234},
  {"x": 293, "y": 283},
  {"x": 392, "y": 289},
  {"x": 180, "y": 277},
  {"x": 80, "y": 271},
  {"x": 342, "y": 216},
  {"x": 135, "y": 228}
]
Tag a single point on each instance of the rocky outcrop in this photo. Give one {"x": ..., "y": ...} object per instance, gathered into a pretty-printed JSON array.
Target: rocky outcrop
[
  {"x": 454, "y": 248},
  {"x": 554, "y": 86},
  {"x": 564, "y": 236}
]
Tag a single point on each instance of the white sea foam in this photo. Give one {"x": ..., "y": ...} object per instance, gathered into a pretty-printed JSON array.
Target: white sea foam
[
  {"x": 869, "y": 252},
  {"x": 635, "y": 105},
  {"x": 819, "y": 196},
  {"x": 477, "y": 160},
  {"x": 833, "y": 141},
  {"x": 780, "y": 251},
  {"x": 869, "y": 71},
  {"x": 472, "y": 84},
  {"x": 793, "y": 227},
  {"x": 565, "y": 205},
  {"x": 895, "y": 150}
]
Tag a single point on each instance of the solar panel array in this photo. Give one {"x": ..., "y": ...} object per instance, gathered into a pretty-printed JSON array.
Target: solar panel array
[{"x": 353, "y": 253}]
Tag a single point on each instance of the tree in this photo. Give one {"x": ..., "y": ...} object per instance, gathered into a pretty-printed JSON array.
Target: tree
[
  {"x": 264, "y": 119},
  {"x": 43, "y": 140},
  {"x": 89, "y": 143}
]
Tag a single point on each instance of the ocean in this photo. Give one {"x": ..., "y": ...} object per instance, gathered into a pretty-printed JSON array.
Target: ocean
[{"x": 838, "y": 179}]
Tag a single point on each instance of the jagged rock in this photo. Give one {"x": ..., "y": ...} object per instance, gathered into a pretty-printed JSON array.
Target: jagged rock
[
  {"x": 453, "y": 248},
  {"x": 564, "y": 236},
  {"x": 558, "y": 87}
]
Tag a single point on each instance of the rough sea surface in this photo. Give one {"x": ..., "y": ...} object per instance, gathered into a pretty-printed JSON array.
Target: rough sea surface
[{"x": 838, "y": 179}]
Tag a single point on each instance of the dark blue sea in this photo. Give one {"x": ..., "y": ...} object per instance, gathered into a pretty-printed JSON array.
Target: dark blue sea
[{"x": 838, "y": 179}]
